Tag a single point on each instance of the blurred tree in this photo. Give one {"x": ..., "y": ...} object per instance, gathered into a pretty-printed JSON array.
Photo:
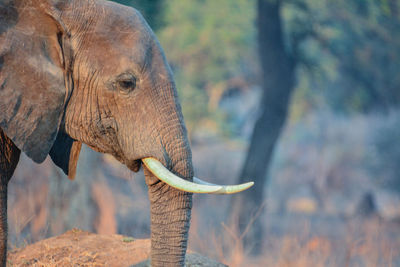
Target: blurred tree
[
  {"x": 348, "y": 50},
  {"x": 351, "y": 53},
  {"x": 278, "y": 79},
  {"x": 367, "y": 47}
]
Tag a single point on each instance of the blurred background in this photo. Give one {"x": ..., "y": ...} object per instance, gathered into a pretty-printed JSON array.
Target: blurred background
[{"x": 301, "y": 96}]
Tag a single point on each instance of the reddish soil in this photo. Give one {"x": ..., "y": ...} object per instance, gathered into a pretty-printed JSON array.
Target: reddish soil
[{"x": 80, "y": 248}]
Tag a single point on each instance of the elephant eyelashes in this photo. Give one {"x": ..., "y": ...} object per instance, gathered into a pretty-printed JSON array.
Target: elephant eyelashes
[{"x": 126, "y": 83}]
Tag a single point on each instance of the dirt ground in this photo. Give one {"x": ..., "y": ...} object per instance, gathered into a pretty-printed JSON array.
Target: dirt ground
[{"x": 81, "y": 248}]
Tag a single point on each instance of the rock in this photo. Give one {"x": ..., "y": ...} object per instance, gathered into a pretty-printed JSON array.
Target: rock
[
  {"x": 192, "y": 260},
  {"x": 81, "y": 248}
]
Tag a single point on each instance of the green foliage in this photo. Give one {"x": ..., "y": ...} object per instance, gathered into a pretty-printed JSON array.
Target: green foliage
[
  {"x": 151, "y": 10},
  {"x": 208, "y": 43},
  {"x": 127, "y": 239},
  {"x": 369, "y": 53},
  {"x": 350, "y": 49}
]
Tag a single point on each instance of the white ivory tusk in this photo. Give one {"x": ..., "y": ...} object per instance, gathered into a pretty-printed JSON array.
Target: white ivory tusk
[
  {"x": 226, "y": 189},
  {"x": 198, "y": 186}
]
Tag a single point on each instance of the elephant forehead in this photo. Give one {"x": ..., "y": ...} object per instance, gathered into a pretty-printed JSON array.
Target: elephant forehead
[
  {"x": 114, "y": 45},
  {"x": 113, "y": 32},
  {"x": 114, "y": 50}
]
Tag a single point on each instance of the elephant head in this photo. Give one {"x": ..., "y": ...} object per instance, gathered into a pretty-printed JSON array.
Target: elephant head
[{"x": 93, "y": 72}]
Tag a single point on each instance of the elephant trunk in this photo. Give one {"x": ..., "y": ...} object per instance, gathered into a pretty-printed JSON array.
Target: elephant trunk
[
  {"x": 170, "y": 212},
  {"x": 170, "y": 208}
]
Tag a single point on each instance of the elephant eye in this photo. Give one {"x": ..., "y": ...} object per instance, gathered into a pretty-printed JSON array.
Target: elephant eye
[{"x": 126, "y": 83}]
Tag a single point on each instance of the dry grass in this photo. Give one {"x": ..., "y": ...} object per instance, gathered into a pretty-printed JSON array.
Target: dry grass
[{"x": 355, "y": 242}]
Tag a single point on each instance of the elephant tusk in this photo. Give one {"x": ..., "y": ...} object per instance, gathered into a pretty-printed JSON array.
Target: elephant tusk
[
  {"x": 198, "y": 186},
  {"x": 226, "y": 189}
]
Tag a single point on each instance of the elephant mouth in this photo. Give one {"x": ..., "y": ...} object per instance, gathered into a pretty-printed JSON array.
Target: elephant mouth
[
  {"x": 135, "y": 165},
  {"x": 197, "y": 186}
]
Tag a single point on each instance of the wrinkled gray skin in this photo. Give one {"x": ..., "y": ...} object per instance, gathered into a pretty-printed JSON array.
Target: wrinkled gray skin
[{"x": 84, "y": 71}]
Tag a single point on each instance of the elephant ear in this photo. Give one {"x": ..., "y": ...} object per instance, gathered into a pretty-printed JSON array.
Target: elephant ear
[
  {"x": 32, "y": 84},
  {"x": 65, "y": 153}
]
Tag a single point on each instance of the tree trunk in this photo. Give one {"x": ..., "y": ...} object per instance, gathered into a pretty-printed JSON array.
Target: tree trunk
[{"x": 277, "y": 82}]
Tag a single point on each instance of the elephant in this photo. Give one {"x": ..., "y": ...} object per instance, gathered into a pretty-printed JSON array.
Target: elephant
[{"x": 93, "y": 72}]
